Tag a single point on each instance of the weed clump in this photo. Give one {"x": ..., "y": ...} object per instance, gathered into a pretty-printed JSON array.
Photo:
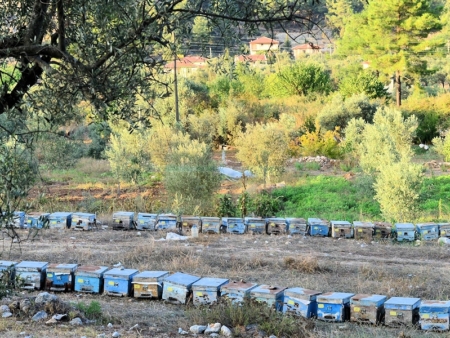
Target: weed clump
[{"x": 306, "y": 264}]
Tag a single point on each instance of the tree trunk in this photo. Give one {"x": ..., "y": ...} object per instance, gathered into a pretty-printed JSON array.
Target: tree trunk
[{"x": 398, "y": 83}]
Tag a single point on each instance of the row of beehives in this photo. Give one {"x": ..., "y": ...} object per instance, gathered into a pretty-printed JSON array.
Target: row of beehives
[
  {"x": 124, "y": 220},
  {"x": 180, "y": 288}
]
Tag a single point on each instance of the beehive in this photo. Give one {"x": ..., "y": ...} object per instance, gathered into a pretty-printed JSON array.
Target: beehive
[
  {"x": 367, "y": 308},
  {"x": 405, "y": 232},
  {"x": 255, "y": 225},
  {"x": 7, "y": 271},
  {"x": 19, "y": 219},
  {"x": 297, "y": 226},
  {"x": 301, "y": 302},
  {"x": 89, "y": 278},
  {"x": 382, "y": 230},
  {"x": 271, "y": 295},
  {"x": 36, "y": 220},
  {"x": 427, "y": 231},
  {"x": 236, "y": 291},
  {"x": 276, "y": 226},
  {"x": 32, "y": 274},
  {"x": 146, "y": 221},
  {"x": 123, "y": 220},
  {"x": 318, "y": 227},
  {"x": 444, "y": 229},
  {"x": 334, "y": 306},
  {"x": 206, "y": 291},
  {"x": 234, "y": 225},
  {"x": 211, "y": 225},
  {"x": 363, "y": 230},
  {"x": 149, "y": 284},
  {"x": 60, "y": 220},
  {"x": 341, "y": 229},
  {"x": 187, "y": 222},
  {"x": 60, "y": 277},
  {"x": 434, "y": 315},
  {"x": 166, "y": 222},
  {"x": 178, "y": 287},
  {"x": 117, "y": 282},
  {"x": 83, "y": 221},
  {"x": 402, "y": 311}
]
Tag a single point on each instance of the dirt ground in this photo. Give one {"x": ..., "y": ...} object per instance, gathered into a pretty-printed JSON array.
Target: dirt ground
[{"x": 323, "y": 264}]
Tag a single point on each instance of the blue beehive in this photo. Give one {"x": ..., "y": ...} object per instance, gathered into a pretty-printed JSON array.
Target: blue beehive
[
  {"x": 301, "y": 302},
  {"x": 83, "y": 221},
  {"x": 334, "y": 306},
  {"x": 297, "y": 226},
  {"x": 237, "y": 292},
  {"x": 32, "y": 274},
  {"x": 434, "y": 315},
  {"x": 36, "y": 219},
  {"x": 7, "y": 270},
  {"x": 318, "y": 227},
  {"x": 149, "y": 284},
  {"x": 60, "y": 220},
  {"x": 123, "y": 220},
  {"x": 444, "y": 229},
  {"x": 255, "y": 225},
  {"x": 187, "y": 222},
  {"x": 207, "y": 290},
  {"x": 367, "y": 308},
  {"x": 146, "y": 221},
  {"x": 404, "y": 232},
  {"x": 341, "y": 229},
  {"x": 402, "y": 311},
  {"x": 276, "y": 226},
  {"x": 363, "y": 230},
  {"x": 166, "y": 222},
  {"x": 19, "y": 219},
  {"x": 271, "y": 295},
  {"x": 427, "y": 231},
  {"x": 211, "y": 225},
  {"x": 60, "y": 277},
  {"x": 234, "y": 225},
  {"x": 89, "y": 278},
  {"x": 117, "y": 282},
  {"x": 177, "y": 287}
]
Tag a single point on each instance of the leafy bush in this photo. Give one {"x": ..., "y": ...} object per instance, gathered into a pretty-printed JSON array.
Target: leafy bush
[
  {"x": 225, "y": 206},
  {"x": 57, "y": 151},
  {"x": 266, "y": 205},
  {"x": 442, "y": 147},
  {"x": 366, "y": 83},
  {"x": 318, "y": 143},
  {"x": 91, "y": 311},
  {"x": 340, "y": 111}
]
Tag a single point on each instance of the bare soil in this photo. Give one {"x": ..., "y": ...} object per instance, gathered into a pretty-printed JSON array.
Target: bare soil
[{"x": 325, "y": 264}]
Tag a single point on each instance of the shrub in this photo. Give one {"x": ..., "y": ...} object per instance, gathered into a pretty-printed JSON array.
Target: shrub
[
  {"x": 319, "y": 143},
  {"x": 225, "y": 206},
  {"x": 60, "y": 152},
  {"x": 266, "y": 205},
  {"x": 442, "y": 147}
]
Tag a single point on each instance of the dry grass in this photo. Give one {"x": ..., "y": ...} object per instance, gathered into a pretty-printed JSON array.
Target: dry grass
[{"x": 306, "y": 264}]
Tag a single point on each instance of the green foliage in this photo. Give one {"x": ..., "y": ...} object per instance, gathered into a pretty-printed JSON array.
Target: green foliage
[
  {"x": 340, "y": 111},
  {"x": 319, "y": 143},
  {"x": 266, "y": 205},
  {"x": 99, "y": 133},
  {"x": 57, "y": 151},
  {"x": 304, "y": 79},
  {"x": 263, "y": 149},
  {"x": 192, "y": 175},
  {"x": 128, "y": 153},
  {"x": 442, "y": 147},
  {"x": 92, "y": 311},
  {"x": 225, "y": 206},
  {"x": 307, "y": 166},
  {"x": 366, "y": 83}
]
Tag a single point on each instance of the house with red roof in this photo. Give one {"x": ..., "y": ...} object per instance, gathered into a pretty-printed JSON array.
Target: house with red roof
[
  {"x": 306, "y": 48},
  {"x": 263, "y": 45},
  {"x": 187, "y": 65},
  {"x": 256, "y": 59}
]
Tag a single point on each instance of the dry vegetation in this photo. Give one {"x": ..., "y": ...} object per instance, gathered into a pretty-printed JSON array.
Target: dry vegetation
[{"x": 323, "y": 264}]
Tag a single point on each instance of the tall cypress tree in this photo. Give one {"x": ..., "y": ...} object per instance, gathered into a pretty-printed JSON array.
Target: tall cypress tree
[{"x": 391, "y": 34}]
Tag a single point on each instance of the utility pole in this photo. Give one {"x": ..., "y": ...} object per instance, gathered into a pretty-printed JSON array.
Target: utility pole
[{"x": 175, "y": 79}]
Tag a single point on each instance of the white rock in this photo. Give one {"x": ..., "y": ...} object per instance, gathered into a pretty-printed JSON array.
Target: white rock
[
  {"x": 213, "y": 328},
  {"x": 138, "y": 233},
  {"x": 51, "y": 321},
  {"x": 214, "y": 335},
  {"x": 7, "y": 314},
  {"x": 225, "y": 331},
  {"x": 44, "y": 298},
  {"x": 110, "y": 325},
  {"x": 59, "y": 317},
  {"x": 182, "y": 332},
  {"x": 76, "y": 321},
  {"x": 4, "y": 308},
  {"x": 289, "y": 236},
  {"x": 101, "y": 335},
  {"x": 197, "y": 329},
  {"x": 272, "y": 336},
  {"x": 115, "y": 334},
  {"x": 39, "y": 315},
  {"x": 133, "y": 327}
]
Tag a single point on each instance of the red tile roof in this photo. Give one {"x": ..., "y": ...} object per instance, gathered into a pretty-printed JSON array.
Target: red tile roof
[
  {"x": 306, "y": 46},
  {"x": 251, "y": 58},
  {"x": 190, "y": 61},
  {"x": 264, "y": 40}
]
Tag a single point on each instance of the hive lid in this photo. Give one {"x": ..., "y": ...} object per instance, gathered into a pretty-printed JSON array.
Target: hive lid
[
  {"x": 427, "y": 225},
  {"x": 123, "y": 213},
  {"x": 303, "y": 293},
  {"x": 144, "y": 214},
  {"x": 435, "y": 306},
  {"x": 211, "y": 219},
  {"x": 317, "y": 221},
  {"x": 334, "y": 297},
  {"x": 341, "y": 223},
  {"x": 296, "y": 220},
  {"x": 402, "y": 301},
  {"x": 182, "y": 279},
  {"x": 405, "y": 226},
  {"x": 359, "y": 224},
  {"x": 368, "y": 299},
  {"x": 82, "y": 214},
  {"x": 7, "y": 264},
  {"x": 276, "y": 220},
  {"x": 268, "y": 290},
  {"x": 92, "y": 269},
  {"x": 151, "y": 274},
  {"x": 60, "y": 214},
  {"x": 62, "y": 266},
  {"x": 120, "y": 272},
  {"x": 210, "y": 282},
  {"x": 31, "y": 264},
  {"x": 239, "y": 286}
]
